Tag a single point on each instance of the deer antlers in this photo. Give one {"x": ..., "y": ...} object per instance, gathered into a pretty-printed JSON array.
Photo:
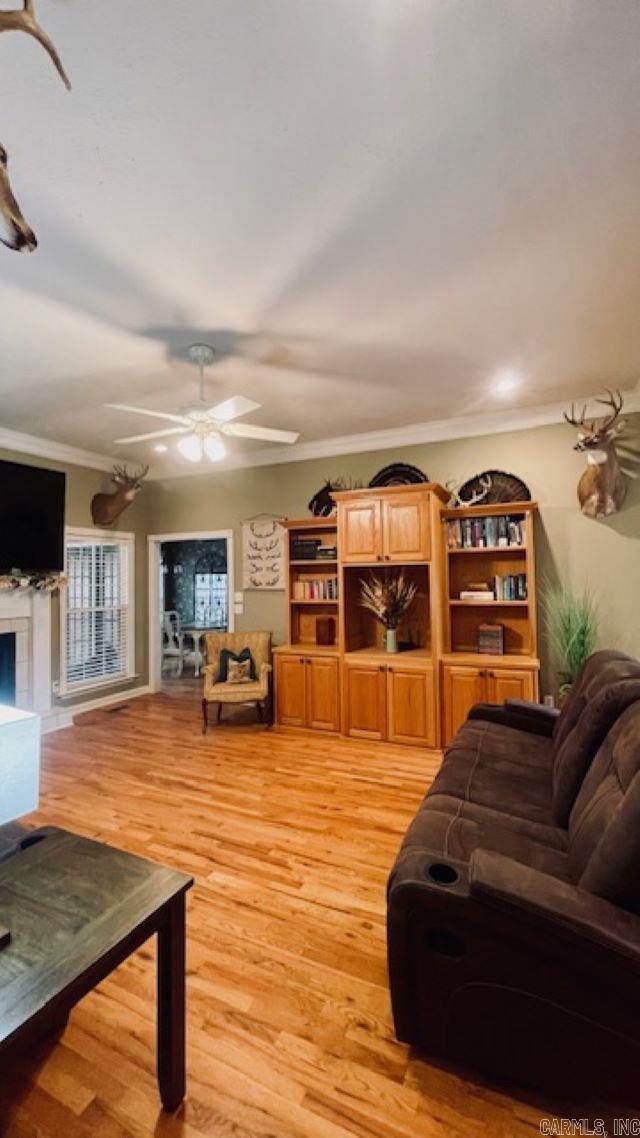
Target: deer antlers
[
  {"x": 615, "y": 401},
  {"x": 122, "y": 477},
  {"x": 19, "y": 235},
  {"x": 486, "y": 482},
  {"x": 24, "y": 20}
]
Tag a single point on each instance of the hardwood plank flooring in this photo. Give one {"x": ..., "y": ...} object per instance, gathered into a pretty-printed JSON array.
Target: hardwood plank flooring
[{"x": 290, "y": 839}]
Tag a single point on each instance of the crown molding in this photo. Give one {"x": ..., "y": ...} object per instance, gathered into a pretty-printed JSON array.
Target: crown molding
[
  {"x": 439, "y": 430},
  {"x": 59, "y": 452}
]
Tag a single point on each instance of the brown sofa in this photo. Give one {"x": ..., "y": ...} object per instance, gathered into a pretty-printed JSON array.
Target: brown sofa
[{"x": 514, "y": 904}]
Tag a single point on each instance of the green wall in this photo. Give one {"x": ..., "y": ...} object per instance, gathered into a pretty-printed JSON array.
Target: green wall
[
  {"x": 604, "y": 554},
  {"x": 82, "y": 484}
]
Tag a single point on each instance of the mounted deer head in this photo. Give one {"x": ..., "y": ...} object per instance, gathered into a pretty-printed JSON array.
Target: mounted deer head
[
  {"x": 107, "y": 508},
  {"x": 602, "y": 487},
  {"x": 18, "y": 234}
]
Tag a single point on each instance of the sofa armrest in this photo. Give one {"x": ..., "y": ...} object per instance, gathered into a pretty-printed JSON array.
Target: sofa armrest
[
  {"x": 519, "y": 713},
  {"x": 265, "y": 670},
  {"x": 536, "y": 712},
  {"x": 503, "y": 884}
]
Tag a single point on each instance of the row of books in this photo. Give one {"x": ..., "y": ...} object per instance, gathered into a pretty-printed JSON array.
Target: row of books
[
  {"x": 499, "y": 532},
  {"x": 312, "y": 549},
  {"x": 491, "y": 639},
  {"x": 324, "y": 589},
  {"x": 507, "y": 587}
]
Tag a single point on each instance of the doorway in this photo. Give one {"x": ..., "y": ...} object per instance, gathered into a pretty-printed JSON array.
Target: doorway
[{"x": 190, "y": 593}]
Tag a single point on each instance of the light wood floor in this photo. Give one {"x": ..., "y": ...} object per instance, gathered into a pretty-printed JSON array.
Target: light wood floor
[{"x": 290, "y": 838}]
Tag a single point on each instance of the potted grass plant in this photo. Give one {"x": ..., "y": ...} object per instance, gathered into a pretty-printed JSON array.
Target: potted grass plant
[
  {"x": 388, "y": 598},
  {"x": 571, "y": 620}
]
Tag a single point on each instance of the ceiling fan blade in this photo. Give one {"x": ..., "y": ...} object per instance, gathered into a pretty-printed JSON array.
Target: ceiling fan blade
[
  {"x": 145, "y": 411},
  {"x": 232, "y": 408},
  {"x": 267, "y": 434},
  {"x": 153, "y": 435}
]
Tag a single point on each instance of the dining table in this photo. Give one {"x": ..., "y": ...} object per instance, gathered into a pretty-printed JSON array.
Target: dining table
[{"x": 196, "y": 632}]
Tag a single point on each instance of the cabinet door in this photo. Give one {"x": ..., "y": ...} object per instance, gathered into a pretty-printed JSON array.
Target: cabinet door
[
  {"x": 462, "y": 687},
  {"x": 360, "y": 531},
  {"x": 365, "y": 701},
  {"x": 405, "y": 528},
  {"x": 411, "y": 712},
  {"x": 511, "y": 683},
  {"x": 323, "y": 694},
  {"x": 291, "y": 708}
]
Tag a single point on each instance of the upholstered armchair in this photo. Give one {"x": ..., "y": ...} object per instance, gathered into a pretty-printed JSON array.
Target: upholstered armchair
[{"x": 257, "y": 691}]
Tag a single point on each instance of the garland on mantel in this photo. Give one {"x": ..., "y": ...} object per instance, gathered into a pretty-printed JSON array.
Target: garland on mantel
[{"x": 39, "y": 582}]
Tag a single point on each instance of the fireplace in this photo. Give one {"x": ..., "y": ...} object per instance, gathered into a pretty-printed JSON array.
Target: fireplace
[
  {"x": 8, "y": 668},
  {"x": 25, "y": 618}
]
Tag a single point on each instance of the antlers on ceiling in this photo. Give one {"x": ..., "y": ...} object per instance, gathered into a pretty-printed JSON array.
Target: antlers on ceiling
[
  {"x": 20, "y": 236},
  {"x": 24, "y": 20}
]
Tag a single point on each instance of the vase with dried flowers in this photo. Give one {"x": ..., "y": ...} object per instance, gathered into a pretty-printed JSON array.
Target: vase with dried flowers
[{"x": 388, "y": 598}]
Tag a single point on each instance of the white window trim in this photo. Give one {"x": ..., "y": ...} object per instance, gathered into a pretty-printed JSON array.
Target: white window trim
[{"x": 73, "y": 533}]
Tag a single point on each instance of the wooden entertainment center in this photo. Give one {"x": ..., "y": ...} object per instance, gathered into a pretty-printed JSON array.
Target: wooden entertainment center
[{"x": 335, "y": 675}]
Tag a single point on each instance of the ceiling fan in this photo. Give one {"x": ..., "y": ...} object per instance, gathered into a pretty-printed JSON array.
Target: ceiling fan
[{"x": 203, "y": 427}]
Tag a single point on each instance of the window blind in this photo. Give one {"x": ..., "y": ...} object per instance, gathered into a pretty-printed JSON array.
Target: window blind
[{"x": 97, "y": 619}]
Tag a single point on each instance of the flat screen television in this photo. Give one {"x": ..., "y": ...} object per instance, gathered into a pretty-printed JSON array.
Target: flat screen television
[{"x": 31, "y": 519}]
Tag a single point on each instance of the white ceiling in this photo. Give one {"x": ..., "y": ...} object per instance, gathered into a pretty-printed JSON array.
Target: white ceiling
[{"x": 378, "y": 202}]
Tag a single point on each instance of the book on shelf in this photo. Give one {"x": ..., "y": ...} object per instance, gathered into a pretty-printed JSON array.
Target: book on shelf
[
  {"x": 500, "y": 532},
  {"x": 506, "y": 587},
  {"x": 305, "y": 548},
  {"x": 491, "y": 639},
  {"x": 510, "y": 587},
  {"x": 322, "y": 589}
]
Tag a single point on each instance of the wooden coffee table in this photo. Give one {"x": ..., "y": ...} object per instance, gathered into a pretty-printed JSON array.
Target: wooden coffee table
[{"x": 76, "y": 909}]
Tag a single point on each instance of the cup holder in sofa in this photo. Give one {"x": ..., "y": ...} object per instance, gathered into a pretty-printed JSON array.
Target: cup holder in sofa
[{"x": 442, "y": 873}]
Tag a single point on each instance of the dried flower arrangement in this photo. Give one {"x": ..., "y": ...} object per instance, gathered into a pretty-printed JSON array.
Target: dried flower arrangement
[
  {"x": 388, "y": 598},
  {"x": 40, "y": 582}
]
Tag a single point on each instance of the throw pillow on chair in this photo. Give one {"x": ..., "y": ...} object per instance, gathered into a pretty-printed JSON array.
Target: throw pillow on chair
[
  {"x": 239, "y": 672},
  {"x": 227, "y": 656}
]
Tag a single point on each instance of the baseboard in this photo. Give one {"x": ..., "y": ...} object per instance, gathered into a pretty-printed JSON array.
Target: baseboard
[{"x": 60, "y": 717}]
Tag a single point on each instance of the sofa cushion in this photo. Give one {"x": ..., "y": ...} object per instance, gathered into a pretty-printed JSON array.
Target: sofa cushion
[
  {"x": 604, "y": 827},
  {"x": 605, "y": 689},
  {"x": 553, "y": 836},
  {"x": 457, "y": 835},
  {"x": 499, "y": 767},
  {"x": 577, "y": 699}
]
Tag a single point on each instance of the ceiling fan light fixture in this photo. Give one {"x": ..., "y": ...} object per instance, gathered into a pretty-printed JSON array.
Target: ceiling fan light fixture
[
  {"x": 214, "y": 447},
  {"x": 190, "y": 447},
  {"x": 201, "y": 425}
]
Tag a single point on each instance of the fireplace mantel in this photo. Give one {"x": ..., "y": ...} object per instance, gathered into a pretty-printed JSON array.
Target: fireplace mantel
[{"x": 35, "y": 608}]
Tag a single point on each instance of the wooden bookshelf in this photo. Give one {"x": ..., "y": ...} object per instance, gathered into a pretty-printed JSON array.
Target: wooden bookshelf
[
  {"x": 421, "y": 694},
  {"x": 306, "y": 573},
  {"x": 471, "y": 676},
  {"x": 502, "y": 563}
]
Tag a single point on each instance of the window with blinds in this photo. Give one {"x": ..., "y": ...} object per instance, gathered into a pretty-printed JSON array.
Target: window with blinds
[{"x": 98, "y": 611}]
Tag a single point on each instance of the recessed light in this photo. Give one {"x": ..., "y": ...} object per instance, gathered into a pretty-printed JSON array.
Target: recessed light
[
  {"x": 160, "y": 448},
  {"x": 506, "y": 380}
]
